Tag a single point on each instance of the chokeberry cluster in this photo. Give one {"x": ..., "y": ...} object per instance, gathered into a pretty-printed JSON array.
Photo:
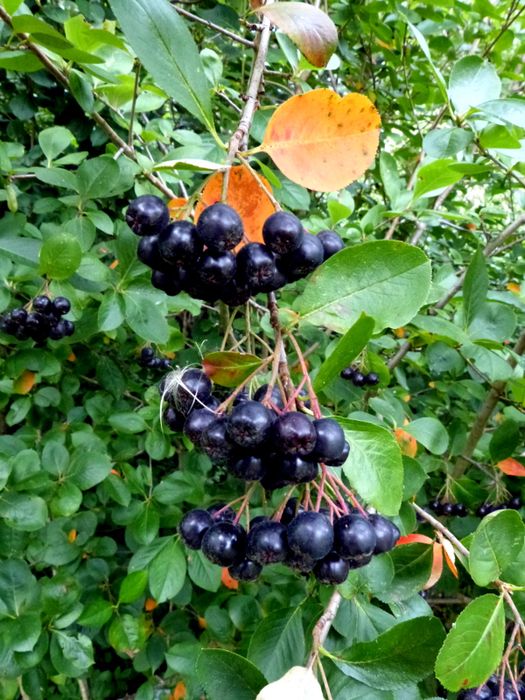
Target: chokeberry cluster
[
  {"x": 44, "y": 320},
  {"x": 258, "y": 440},
  {"x": 461, "y": 510},
  {"x": 514, "y": 503},
  {"x": 491, "y": 690},
  {"x": 358, "y": 378},
  {"x": 305, "y": 540},
  {"x": 200, "y": 259},
  {"x": 149, "y": 359}
]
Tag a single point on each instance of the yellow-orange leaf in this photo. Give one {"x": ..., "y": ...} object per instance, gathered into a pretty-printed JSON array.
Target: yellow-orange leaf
[
  {"x": 245, "y": 195},
  {"x": 406, "y": 442},
  {"x": 150, "y": 604},
  {"x": 25, "y": 382},
  {"x": 511, "y": 467},
  {"x": 179, "y": 692},
  {"x": 437, "y": 566},
  {"x": 450, "y": 557},
  {"x": 414, "y": 537},
  {"x": 323, "y": 141},
  {"x": 71, "y": 536},
  {"x": 228, "y": 580},
  {"x": 178, "y": 207}
]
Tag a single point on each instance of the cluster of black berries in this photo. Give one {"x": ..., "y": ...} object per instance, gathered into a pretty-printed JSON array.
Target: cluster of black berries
[
  {"x": 42, "y": 322},
  {"x": 491, "y": 690},
  {"x": 358, "y": 378},
  {"x": 306, "y": 541},
  {"x": 256, "y": 442},
  {"x": 461, "y": 510},
  {"x": 200, "y": 259},
  {"x": 149, "y": 359}
]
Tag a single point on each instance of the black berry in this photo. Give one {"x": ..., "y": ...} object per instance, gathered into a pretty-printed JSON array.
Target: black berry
[
  {"x": 171, "y": 282},
  {"x": 294, "y": 434},
  {"x": 224, "y": 543},
  {"x": 174, "y": 420},
  {"x": 246, "y": 570},
  {"x": 197, "y": 422},
  {"x": 43, "y": 304},
  {"x": 332, "y": 243},
  {"x": 347, "y": 373},
  {"x": 359, "y": 379},
  {"x": 61, "y": 306},
  {"x": 296, "y": 470},
  {"x": 354, "y": 536},
  {"x": 305, "y": 258},
  {"x": 216, "y": 269},
  {"x": 341, "y": 459},
  {"x": 282, "y": 233},
  {"x": 267, "y": 543},
  {"x": 193, "y": 390},
  {"x": 193, "y": 527},
  {"x": 147, "y": 215},
  {"x": 332, "y": 570},
  {"x": 215, "y": 441},
  {"x": 249, "y": 424},
  {"x": 275, "y": 395},
  {"x": 310, "y": 534},
  {"x": 148, "y": 253},
  {"x": 387, "y": 534},
  {"x": 178, "y": 243},
  {"x": 249, "y": 468},
  {"x": 291, "y": 509},
  {"x": 372, "y": 379},
  {"x": 221, "y": 513},
  {"x": 256, "y": 266},
  {"x": 219, "y": 227},
  {"x": 330, "y": 440}
]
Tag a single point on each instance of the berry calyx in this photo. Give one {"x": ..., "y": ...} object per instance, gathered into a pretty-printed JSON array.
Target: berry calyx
[
  {"x": 224, "y": 543},
  {"x": 193, "y": 527},
  {"x": 219, "y": 227},
  {"x": 147, "y": 215},
  {"x": 310, "y": 534},
  {"x": 282, "y": 232}
]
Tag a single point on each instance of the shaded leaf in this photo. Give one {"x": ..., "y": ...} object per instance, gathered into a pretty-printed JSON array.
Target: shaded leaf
[
  {"x": 230, "y": 368},
  {"x": 225, "y": 674}
]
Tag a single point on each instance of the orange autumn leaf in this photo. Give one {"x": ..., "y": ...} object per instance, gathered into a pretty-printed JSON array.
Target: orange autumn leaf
[
  {"x": 450, "y": 557},
  {"x": 25, "y": 382},
  {"x": 514, "y": 287},
  {"x": 437, "y": 566},
  {"x": 511, "y": 467},
  {"x": 228, "y": 580},
  {"x": 245, "y": 195},
  {"x": 414, "y": 537},
  {"x": 71, "y": 536},
  {"x": 400, "y": 332},
  {"x": 150, "y": 604},
  {"x": 179, "y": 692},
  {"x": 201, "y": 621},
  {"x": 321, "y": 140},
  {"x": 71, "y": 357},
  {"x": 177, "y": 208},
  {"x": 406, "y": 442}
]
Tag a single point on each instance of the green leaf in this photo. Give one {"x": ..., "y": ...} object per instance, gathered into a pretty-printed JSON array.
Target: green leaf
[
  {"x": 425, "y": 48},
  {"x": 412, "y": 567},
  {"x": 431, "y": 433},
  {"x": 505, "y": 440},
  {"x": 497, "y": 541},
  {"x": 434, "y": 177},
  {"x": 472, "y": 81},
  {"x": 18, "y": 587},
  {"x": 88, "y": 468},
  {"x": 168, "y": 51},
  {"x": 278, "y": 643},
  {"x": 133, "y": 586},
  {"x": 167, "y": 571},
  {"x": 82, "y": 91},
  {"x": 441, "y": 143},
  {"x": 20, "y": 61},
  {"x": 96, "y": 613},
  {"x": 510, "y": 110},
  {"x": 403, "y": 654},
  {"x": 60, "y": 256},
  {"x": 145, "y": 317},
  {"x": 127, "y": 422},
  {"x": 203, "y": 573},
  {"x": 374, "y": 466},
  {"x": 230, "y": 368},
  {"x": 23, "y": 512},
  {"x": 71, "y": 655},
  {"x": 55, "y": 140},
  {"x": 474, "y": 646},
  {"x": 21, "y": 250},
  {"x": 225, "y": 674},
  {"x": 12, "y": 5},
  {"x": 387, "y": 280},
  {"x": 346, "y": 350},
  {"x": 97, "y": 177},
  {"x": 111, "y": 312},
  {"x": 475, "y": 287},
  {"x": 127, "y": 634}
]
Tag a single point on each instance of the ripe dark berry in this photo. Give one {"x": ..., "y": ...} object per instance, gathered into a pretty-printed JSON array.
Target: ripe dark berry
[
  {"x": 69, "y": 326},
  {"x": 291, "y": 509},
  {"x": 178, "y": 243},
  {"x": 515, "y": 503},
  {"x": 249, "y": 424},
  {"x": 358, "y": 379},
  {"x": 171, "y": 282},
  {"x": 19, "y": 316},
  {"x": 300, "y": 562},
  {"x": 332, "y": 570},
  {"x": 146, "y": 355},
  {"x": 61, "y": 306},
  {"x": 436, "y": 506},
  {"x": 460, "y": 509},
  {"x": 275, "y": 395},
  {"x": 193, "y": 527},
  {"x": 234, "y": 293},
  {"x": 311, "y": 534},
  {"x": 216, "y": 269},
  {"x": 212, "y": 403},
  {"x": 372, "y": 379},
  {"x": 294, "y": 434},
  {"x": 282, "y": 232},
  {"x": 354, "y": 537},
  {"x": 42, "y": 304},
  {"x": 267, "y": 543},
  {"x": 58, "y": 331},
  {"x": 249, "y": 468},
  {"x": 387, "y": 534},
  {"x": 196, "y": 423},
  {"x": 221, "y": 513},
  {"x": 296, "y": 470},
  {"x": 448, "y": 509},
  {"x": 341, "y": 459},
  {"x": 256, "y": 266},
  {"x": 174, "y": 420},
  {"x": 224, "y": 544},
  {"x": 246, "y": 570},
  {"x": 193, "y": 390},
  {"x": 36, "y": 321},
  {"x": 330, "y": 439},
  {"x": 215, "y": 441},
  {"x": 148, "y": 253},
  {"x": 147, "y": 215},
  {"x": 484, "y": 510},
  {"x": 347, "y": 373},
  {"x": 332, "y": 243},
  {"x": 305, "y": 258},
  {"x": 219, "y": 227}
]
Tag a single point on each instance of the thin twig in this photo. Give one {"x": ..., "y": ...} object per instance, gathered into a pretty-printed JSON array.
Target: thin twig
[
  {"x": 84, "y": 689},
  {"x": 321, "y": 629},
  {"x": 215, "y": 27},
  {"x": 438, "y": 525}
]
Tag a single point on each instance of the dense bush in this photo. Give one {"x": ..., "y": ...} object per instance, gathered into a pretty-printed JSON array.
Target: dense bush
[{"x": 411, "y": 338}]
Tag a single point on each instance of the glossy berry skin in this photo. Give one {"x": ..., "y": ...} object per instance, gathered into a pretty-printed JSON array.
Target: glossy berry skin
[
  {"x": 197, "y": 422},
  {"x": 147, "y": 215},
  {"x": 193, "y": 527},
  {"x": 330, "y": 439},
  {"x": 245, "y": 570},
  {"x": 305, "y": 258},
  {"x": 282, "y": 232},
  {"x": 332, "y": 570},
  {"x": 220, "y": 513},
  {"x": 448, "y": 509},
  {"x": 146, "y": 355},
  {"x": 148, "y": 253},
  {"x": 215, "y": 442},
  {"x": 359, "y": 379},
  {"x": 296, "y": 470},
  {"x": 172, "y": 283},
  {"x": 249, "y": 424},
  {"x": 193, "y": 391},
  {"x": 347, "y": 373},
  {"x": 178, "y": 243},
  {"x": 332, "y": 243},
  {"x": 219, "y": 227},
  {"x": 234, "y": 293},
  {"x": 484, "y": 510},
  {"x": 387, "y": 534},
  {"x": 291, "y": 509},
  {"x": 294, "y": 434},
  {"x": 436, "y": 506},
  {"x": 216, "y": 269},
  {"x": 267, "y": 543},
  {"x": 354, "y": 536},
  {"x": 224, "y": 544},
  {"x": 174, "y": 420},
  {"x": 18, "y": 316},
  {"x": 249, "y": 468},
  {"x": 515, "y": 503},
  {"x": 311, "y": 534},
  {"x": 58, "y": 331},
  {"x": 69, "y": 326},
  {"x": 342, "y": 457},
  {"x": 61, "y": 306},
  {"x": 372, "y": 379},
  {"x": 359, "y": 562},
  {"x": 460, "y": 509},
  {"x": 256, "y": 266},
  {"x": 43, "y": 304},
  {"x": 275, "y": 395}
]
